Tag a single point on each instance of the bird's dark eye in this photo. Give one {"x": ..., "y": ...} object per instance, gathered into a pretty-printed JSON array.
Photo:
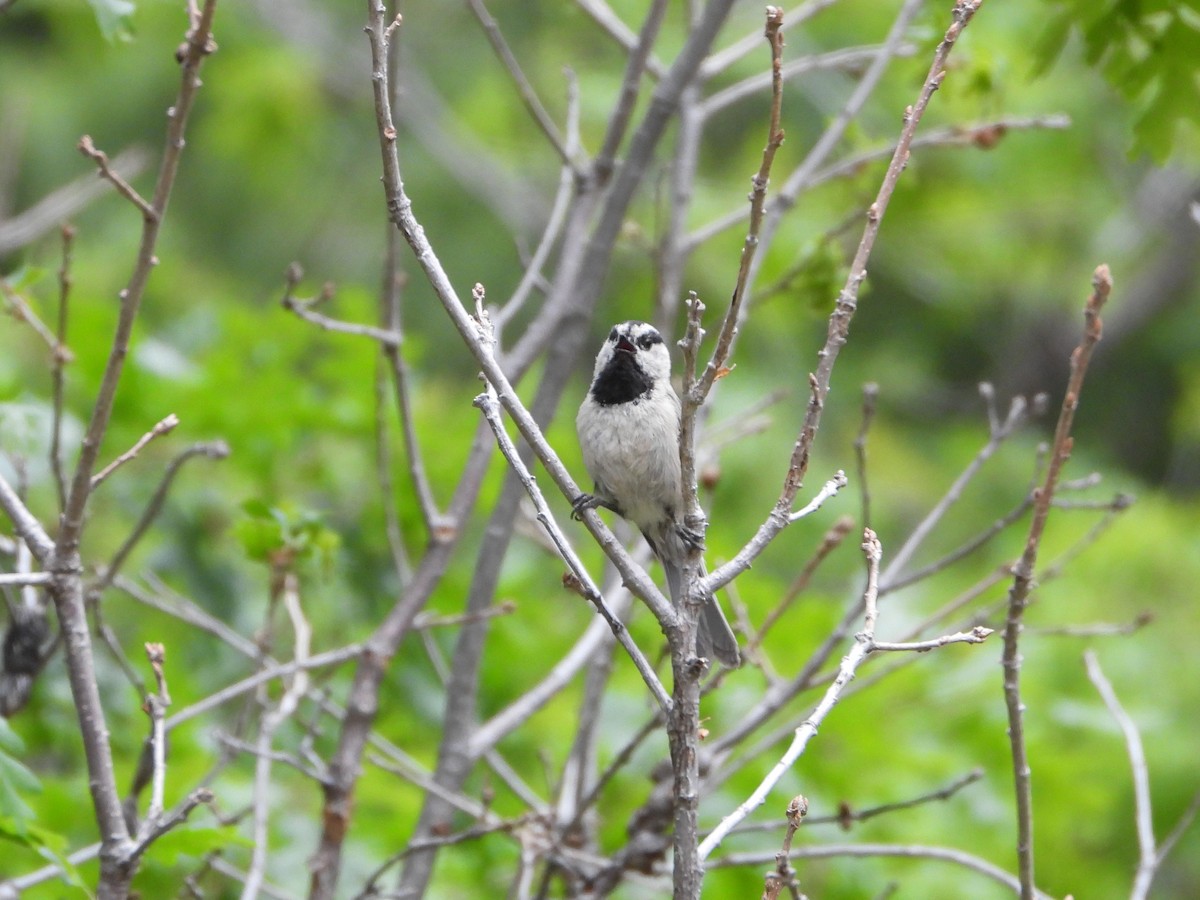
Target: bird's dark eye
[
  {"x": 612, "y": 336},
  {"x": 649, "y": 339}
]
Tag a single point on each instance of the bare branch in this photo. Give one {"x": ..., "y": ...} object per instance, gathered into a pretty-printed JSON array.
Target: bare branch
[
  {"x": 830, "y": 541},
  {"x": 212, "y": 450},
  {"x": 846, "y": 58},
  {"x": 784, "y": 875},
  {"x": 60, "y": 360},
  {"x": 124, "y": 188},
  {"x": 982, "y": 136},
  {"x": 60, "y": 205},
  {"x": 1148, "y": 858},
  {"x": 612, "y": 25},
  {"x": 863, "y": 644},
  {"x": 870, "y": 394},
  {"x": 635, "y": 65},
  {"x": 910, "y": 851},
  {"x": 304, "y": 309},
  {"x": 20, "y": 310},
  {"x": 1023, "y": 573},
  {"x": 723, "y": 59},
  {"x": 28, "y": 528},
  {"x": 166, "y": 426},
  {"x": 528, "y": 96},
  {"x": 156, "y": 707},
  {"x": 271, "y": 722},
  {"x": 976, "y": 635},
  {"x": 23, "y": 579},
  {"x": 695, "y": 394}
]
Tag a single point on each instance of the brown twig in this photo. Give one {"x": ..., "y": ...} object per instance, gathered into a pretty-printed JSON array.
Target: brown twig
[
  {"x": 1023, "y": 573},
  {"x": 870, "y": 396},
  {"x": 20, "y": 310},
  {"x": 980, "y": 136},
  {"x": 304, "y": 309},
  {"x": 166, "y": 426},
  {"x": 905, "y": 851},
  {"x": 124, "y": 188},
  {"x": 61, "y": 359},
  {"x": 64, "y": 202},
  {"x": 635, "y": 65},
  {"x": 116, "y": 863},
  {"x": 696, "y": 392},
  {"x": 721, "y": 60},
  {"x": 529, "y": 96},
  {"x": 847, "y": 303},
  {"x": 831, "y": 540},
  {"x": 863, "y": 644},
  {"x": 784, "y": 875},
  {"x": 213, "y": 450}
]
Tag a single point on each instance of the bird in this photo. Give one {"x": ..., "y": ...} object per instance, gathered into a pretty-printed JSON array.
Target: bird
[{"x": 628, "y": 427}]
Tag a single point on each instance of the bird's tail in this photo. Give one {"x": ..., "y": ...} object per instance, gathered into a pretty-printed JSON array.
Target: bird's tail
[{"x": 714, "y": 637}]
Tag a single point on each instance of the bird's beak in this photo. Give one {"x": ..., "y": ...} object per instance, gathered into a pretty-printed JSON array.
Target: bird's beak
[{"x": 623, "y": 343}]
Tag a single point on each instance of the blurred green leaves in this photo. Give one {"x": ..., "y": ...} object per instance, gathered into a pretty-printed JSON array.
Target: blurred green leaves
[
  {"x": 284, "y": 536},
  {"x": 1148, "y": 50},
  {"x": 115, "y": 18},
  {"x": 18, "y": 818}
]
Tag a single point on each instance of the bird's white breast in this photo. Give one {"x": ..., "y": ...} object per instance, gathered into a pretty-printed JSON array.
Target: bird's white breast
[{"x": 631, "y": 450}]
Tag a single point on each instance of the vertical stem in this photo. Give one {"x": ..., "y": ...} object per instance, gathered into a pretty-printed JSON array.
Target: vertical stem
[
  {"x": 1018, "y": 596},
  {"x": 683, "y": 734},
  {"x": 65, "y": 565}
]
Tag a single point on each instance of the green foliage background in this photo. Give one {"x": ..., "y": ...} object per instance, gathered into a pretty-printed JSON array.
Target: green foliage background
[{"x": 980, "y": 273}]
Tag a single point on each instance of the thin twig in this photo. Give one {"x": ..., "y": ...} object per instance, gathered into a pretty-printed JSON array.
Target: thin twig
[
  {"x": 555, "y": 222},
  {"x": 418, "y": 475},
  {"x": 156, "y": 707},
  {"x": 846, "y": 58},
  {"x": 388, "y": 312},
  {"x": 614, "y": 27},
  {"x": 981, "y": 136},
  {"x": 1017, "y": 416},
  {"x": 847, "y": 302},
  {"x": 976, "y": 635},
  {"x": 64, "y": 202},
  {"x": 304, "y": 309},
  {"x": 635, "y": 66},
  {"x": 1148, "y": 858},
  {"x": 829, "y": 542},
  {"x": 529, "y": 96},
  {"x": 863, "y": 642},
  {"x": 908, "y": 851},
  {"x": 1098, "y": 629},
  {"x": 828, "y": 489},
  {"x": 211, "y": 450},
  {"x": 124, "y": 188},
  {"x": 271, "y": 722},
  {"x": 23, "y": 579},
  {"x": 166, "y": 426},
  {"x": 1023, "y": 574},
  {"x": 696, "y": 393},
  {"x": 57, "y": 374},
  {"x": 721, "y": 60},
  {"x": 20, "y": 310},
  {"x": 870, "y": 395},
  {"x": 784, "y": 875}
]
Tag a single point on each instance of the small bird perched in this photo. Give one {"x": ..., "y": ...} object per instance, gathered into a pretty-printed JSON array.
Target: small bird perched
[{"x": 628, "y": 428}]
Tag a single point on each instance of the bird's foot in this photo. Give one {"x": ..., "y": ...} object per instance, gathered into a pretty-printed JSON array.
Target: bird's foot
[
  {"x": 583, "y": 502},
  {"x": 693, "y": 539}
]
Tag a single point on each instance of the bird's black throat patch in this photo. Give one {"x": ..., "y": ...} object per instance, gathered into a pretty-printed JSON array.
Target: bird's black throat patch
[{"x": 622, "y": 381}]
